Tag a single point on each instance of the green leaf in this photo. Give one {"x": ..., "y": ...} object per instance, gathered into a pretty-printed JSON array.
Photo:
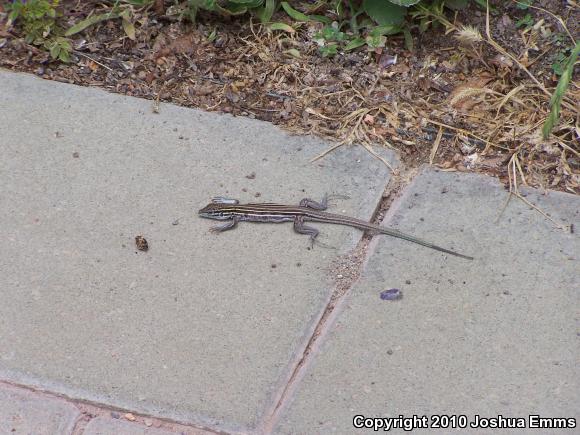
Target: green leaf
[
  {"x": 54, "y": 50},
  {"x": 248, "y": 3},
  {"x": 293, "y": 52},
  {"x": 330, "y": 33},
  {"x": 483, "y": 5},
  {"x": 376, "y": 41},
  {"x": 64, "y": 56},
  {"x": 409, "y": 45},
  {"x": 90, "y": 21},
  {"x": 298, "y": 16},
  {"x": 139, "y": 2},
  {"x": 320, "y": 19},
  {"x": 329, "y": 50},
  {"x": 209, "y": 5},
  {"x": 405, "y": 3},
  {"x": 387, "y": 29},
  {"x": 13, "y": 15},
  {"x": 265, "y": 13},
  {"x": 229, "y": 9},
  {"x": 282, "y": 26},
  {"x": 212, "y": 36},
  {"x": 355, "y": 43},
  {"x": 523, "y": 4},
  {"x": 129, "y": 29},
  {"x": 527, "y": 21},
  {"x": 384, "y": 12},
  {"x": 556, "y": 100},
  {"x": 191, "y": 11}
]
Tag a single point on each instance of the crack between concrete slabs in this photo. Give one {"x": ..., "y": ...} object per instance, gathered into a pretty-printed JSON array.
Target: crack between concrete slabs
[
  {"x": 347, "y": 270},
  {"x": 90, "y": 410}
]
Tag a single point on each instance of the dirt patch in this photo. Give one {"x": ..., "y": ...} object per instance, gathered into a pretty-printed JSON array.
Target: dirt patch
[{"x": 460, "y": 105}]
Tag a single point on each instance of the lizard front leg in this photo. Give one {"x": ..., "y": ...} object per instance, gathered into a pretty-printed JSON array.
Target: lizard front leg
[
  {"x": 229, "y": 225},
  {"x": 323, "y": 204},
  {"x": 224, "y": 200}
]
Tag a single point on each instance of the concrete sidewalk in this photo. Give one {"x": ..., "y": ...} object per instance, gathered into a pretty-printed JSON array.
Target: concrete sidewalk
[{"x": 208, "y": 332}]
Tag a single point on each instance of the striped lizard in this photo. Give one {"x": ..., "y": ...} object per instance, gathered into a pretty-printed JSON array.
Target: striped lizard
[{"x": 231, "y": 210}]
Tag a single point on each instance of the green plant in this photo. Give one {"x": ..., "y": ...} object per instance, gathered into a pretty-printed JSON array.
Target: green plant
[
  {"x": 559, "y": 62},
  {"x": 39, "y": 24},
  {"x": 121, "y": 9},
  {"x": 556, "y": 100},
  {"x": 59, "y": 48},
  {"x": 38, "y": 18},
  {"x": 370, "y": 22},
  {"x": 263, "y": 9},
  {"x": 524, "y": 4},
  {"x": 526, "y": 21},
  {"x": 561, "y": 54}
]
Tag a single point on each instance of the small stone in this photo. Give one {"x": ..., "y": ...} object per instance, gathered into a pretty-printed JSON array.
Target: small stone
[
  {"x": 392, "y": 294},
  {"x": 148, "y": 422},
  {"x": 130, "y": 417}
]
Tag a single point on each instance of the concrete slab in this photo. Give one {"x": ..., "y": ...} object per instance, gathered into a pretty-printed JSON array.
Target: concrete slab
[
  {"x": 496, "y": 336},
  {"x": 108, "y": 426},
  {"x": 24, "y": 412},
  {"x": 201, "y": 328}
]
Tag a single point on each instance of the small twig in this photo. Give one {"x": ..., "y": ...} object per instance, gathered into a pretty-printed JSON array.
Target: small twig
[
  {"x": 505, "y": 204},
  {"x": 259, "y": 109},
  {"x": 91, "y": 59},
  {"x": 558, "y": 225},
  {"x": 322, "y": 154},
  {"x": 156, "y": 102},
  {"x": 514, "y": 190},
  {"x": 279, "y": 96},
  {"x": 465, "y": 132},
  {"x": 436, "y": 145},
  {"x": 387, "y": 164}
]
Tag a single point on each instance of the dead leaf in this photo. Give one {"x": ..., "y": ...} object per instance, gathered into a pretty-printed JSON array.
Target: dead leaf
[
  {"x": 468, "y": 95},
  {"x": 369, "y": 119},
  {"x": 386, "y": 60},
  {"x": 502, "y": 62}
]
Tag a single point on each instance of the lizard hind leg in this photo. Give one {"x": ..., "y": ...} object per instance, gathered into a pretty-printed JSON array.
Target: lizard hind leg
[{"x": 300, "y": 228}]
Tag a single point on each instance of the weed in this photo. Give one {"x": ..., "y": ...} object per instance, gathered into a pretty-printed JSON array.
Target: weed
[{"x": 38, "y": 19}]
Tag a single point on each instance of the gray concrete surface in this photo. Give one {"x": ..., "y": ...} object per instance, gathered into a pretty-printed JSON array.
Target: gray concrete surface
[
  {"x": 496, "y": 336},
  {"x": 107, "y": 426},
  {"x": 202, "y": 328},
  {"x": 23, "y": 412}
]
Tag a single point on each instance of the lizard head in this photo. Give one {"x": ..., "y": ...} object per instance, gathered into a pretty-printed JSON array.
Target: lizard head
[{"x": 214, "y": 211}]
